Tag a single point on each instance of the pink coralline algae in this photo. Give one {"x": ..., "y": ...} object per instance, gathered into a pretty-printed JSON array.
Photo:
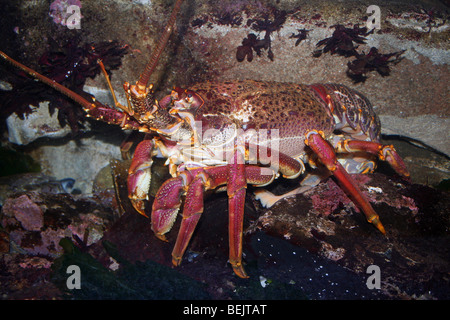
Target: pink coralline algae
[
  {"x": 331, "y": 197},
  {"x": 59, "y": 12},
  {"x": 26, "y": 211},
  {"x": 36, "y": 222}
]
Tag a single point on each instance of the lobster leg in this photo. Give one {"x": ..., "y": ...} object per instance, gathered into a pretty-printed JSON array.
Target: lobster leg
[
  {"x": 327, "y": 156},
  {"x": 289, "y": 167},
  {"x": 268, "y": 199},
  {"x": 193, "y": 209},
  {"x": 236, "y": 189},
  {"x": 127, "y": 144},
  {"x": 196, "y": 181},
  {"x": 139, "y": 175},
  {"x": 384, "y": 152},
  {"x": 167, "y": 203}
]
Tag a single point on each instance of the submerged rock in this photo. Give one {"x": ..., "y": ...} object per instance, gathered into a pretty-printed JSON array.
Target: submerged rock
[
  {"x": 413, "y": 257},
  {"x": 34, "y": 126},
  {"x": 36, "y": 222},
  {"x": 315, "y": 245},
  {"x": 26, "y": 277},
  {"x": 34, "y": 182}
]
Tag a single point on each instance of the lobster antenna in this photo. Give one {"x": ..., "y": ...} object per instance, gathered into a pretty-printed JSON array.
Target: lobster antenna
[
  {"x": 151, "y": 65},
  {"x": 52, "y": 83}
]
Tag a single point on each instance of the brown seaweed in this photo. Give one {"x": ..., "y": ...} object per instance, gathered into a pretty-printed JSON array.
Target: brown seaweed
[
  {"x": 372, "y": 61},
  {"x": 70, "y": 65},
  {"x": 342, "y": 41},
  {"x": 253, "y": 43},
  {"x": 300, "y": 36}
]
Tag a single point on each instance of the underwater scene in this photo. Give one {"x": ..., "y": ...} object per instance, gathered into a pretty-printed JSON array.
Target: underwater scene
[{"x": 225, "y": 150}]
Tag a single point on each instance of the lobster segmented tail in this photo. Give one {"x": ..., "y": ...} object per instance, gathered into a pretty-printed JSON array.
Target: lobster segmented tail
[
  {"x": 355, "y": 110},
  {"x": 351, "y": 110}
]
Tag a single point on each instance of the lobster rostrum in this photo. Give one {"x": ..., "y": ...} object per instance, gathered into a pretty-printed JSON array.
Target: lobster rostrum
[{"x": 222, "y": 136}]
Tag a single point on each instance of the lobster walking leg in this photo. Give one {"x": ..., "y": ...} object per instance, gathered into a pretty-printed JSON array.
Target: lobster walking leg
[
  {"x": 327, "y": 156},
  {"x": 289, "y": 167},
  {"x": 168, "y": 201},
  {"x": 193, "y": 208},
  {"x": 384, "y": 152},
  {"x": 196, "y": 181},
  {"x": 236, "y": 189}
]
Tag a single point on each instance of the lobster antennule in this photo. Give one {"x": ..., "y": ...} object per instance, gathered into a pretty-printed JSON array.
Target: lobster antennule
[
  {"x": 151, "y": 65},
  {"x": 52, "y": 83}
]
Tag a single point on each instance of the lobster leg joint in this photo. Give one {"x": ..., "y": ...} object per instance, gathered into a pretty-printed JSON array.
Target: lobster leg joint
[{"x": 383, "y": 152}]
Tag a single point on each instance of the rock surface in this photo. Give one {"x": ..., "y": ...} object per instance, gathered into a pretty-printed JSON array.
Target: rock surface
[
  {"x": 38, "y": 124},
  {"x": 36, "y": 222},
  {"x": 315, "y": 245}
]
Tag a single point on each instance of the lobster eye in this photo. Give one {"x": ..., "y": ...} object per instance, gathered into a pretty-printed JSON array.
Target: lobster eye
[{"x": 189, "y": 98}]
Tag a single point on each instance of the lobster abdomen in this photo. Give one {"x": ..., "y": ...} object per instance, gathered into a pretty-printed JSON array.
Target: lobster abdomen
[{"x": 352, "y": 111}]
